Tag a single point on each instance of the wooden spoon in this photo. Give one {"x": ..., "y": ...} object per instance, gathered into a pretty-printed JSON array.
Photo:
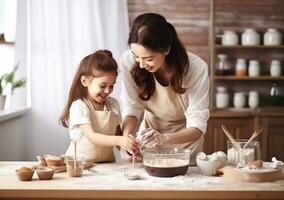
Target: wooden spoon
[
  {"x": 255, "y": 133},
  {"x": 231, "y": 138}
]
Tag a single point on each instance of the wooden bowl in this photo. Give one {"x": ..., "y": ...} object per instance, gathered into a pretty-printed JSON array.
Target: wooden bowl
[
  {"x": 25, "y": 173},
  {"x": 54, "y": 160},
  {"x": 45, "y": 173}
]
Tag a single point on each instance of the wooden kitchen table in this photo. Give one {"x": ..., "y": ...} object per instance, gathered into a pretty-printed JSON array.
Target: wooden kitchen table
[{"x": 107, "y": 181}]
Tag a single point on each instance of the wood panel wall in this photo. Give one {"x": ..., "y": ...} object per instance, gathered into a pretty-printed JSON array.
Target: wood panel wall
[{"x": 189, "y": 17}]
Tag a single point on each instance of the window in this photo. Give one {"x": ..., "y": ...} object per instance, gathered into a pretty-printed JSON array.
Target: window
[{"x": 7, "y": 35}]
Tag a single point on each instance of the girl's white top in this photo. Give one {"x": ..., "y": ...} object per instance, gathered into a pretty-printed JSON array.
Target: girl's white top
[
  {"x": 79, "y": 113},
  {"x": 195, "y": 99}
]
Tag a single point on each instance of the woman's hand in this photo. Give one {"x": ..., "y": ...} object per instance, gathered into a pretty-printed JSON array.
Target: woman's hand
[{"x": 151, "y": 138}]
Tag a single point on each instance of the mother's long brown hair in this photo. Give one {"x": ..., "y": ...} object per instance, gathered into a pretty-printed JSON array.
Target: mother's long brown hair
[
  {"x": 153, "y": 32},
  {"x": 101, "y": 60}
]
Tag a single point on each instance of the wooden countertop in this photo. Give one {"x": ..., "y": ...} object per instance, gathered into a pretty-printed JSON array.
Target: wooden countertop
[{"x": 107, "y": 181}]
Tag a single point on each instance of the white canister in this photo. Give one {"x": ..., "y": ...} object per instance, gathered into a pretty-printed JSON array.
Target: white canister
[
  {"x": 272, "y": 37},
  {"x": 254, "y": 68},
  {"x": 230, "y": 38},
  {"x": 239, "y": 100},
  {"x": 222, "y": 97},
  {"x": 241, "y": 67},
  {"x": 253, "y": 99},
  {"x": 275, "y": 68},
  {"x": 250, "y": 37}
]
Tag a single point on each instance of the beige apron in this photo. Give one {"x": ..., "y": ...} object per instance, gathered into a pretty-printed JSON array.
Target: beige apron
[
  {"x": 165, "y": 113},
  {"x": 104, "y": 122}
]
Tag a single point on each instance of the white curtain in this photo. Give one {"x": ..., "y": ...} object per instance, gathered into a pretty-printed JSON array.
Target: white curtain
[{"x": 61, "y": 33}]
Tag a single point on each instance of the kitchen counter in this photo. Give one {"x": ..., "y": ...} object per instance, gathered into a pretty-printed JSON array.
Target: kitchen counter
[{"x": 107, "y": 181}]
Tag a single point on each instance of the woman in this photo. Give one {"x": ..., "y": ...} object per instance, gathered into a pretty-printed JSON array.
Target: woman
[{"x": 164, "y": 86}]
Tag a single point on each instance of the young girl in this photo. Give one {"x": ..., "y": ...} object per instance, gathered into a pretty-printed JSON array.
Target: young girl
[{"x": 93, "y": 118}]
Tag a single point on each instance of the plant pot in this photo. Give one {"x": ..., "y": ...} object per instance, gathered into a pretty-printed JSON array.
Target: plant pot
[{"x": 2, "y": 101}]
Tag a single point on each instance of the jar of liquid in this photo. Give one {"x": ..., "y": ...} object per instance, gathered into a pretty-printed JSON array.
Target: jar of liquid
[
  {"x": 254, "y": 68},
  {"x": 239, "y": 100},
  {"x": 275, "y": 98},
  {"x": 253, "y": 99},
  {"x": 275, "y": 68},
  {"x": 223, "y": 67},
  {"x": 241, "y": 67},
  {"x": 222, "y": 97}
]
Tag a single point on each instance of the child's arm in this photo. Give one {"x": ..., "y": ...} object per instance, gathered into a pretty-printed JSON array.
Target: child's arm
[{"x": 125, "y": 142}]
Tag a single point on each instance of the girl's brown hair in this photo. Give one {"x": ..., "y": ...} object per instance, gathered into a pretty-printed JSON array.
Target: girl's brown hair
[
  {"x": 153, "y": 32},
  {"x": 101, "y": 60}
]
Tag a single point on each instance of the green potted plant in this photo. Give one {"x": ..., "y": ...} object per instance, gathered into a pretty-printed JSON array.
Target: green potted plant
[{"x": 8, "y": 84}]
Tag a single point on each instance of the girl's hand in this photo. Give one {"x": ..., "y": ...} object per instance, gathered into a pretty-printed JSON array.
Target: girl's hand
[{"x": 128, "y": 143}]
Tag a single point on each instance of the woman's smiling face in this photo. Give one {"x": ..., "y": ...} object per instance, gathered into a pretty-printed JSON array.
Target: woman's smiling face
[{"x": 147, "y": 59}]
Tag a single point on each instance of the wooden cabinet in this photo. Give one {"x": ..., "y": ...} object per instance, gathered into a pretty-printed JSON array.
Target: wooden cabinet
[
  {"x": 216, "y": 140},
  {"x": 271, "y": 139}
]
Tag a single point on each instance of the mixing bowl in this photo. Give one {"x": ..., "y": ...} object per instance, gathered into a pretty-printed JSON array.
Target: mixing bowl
[{"x": 166, "y": 162}]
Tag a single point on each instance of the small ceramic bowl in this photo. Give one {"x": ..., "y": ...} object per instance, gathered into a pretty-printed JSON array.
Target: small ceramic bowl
[
  {"x": 45, "y": 173},
  {"x": 209, "y": 167},
  {"x": 25, "y": 173}
]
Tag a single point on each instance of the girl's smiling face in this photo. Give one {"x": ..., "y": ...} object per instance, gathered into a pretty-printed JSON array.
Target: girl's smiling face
[
  {"x": 147, "y": 59},
  {"x": 99, "y": 86}
]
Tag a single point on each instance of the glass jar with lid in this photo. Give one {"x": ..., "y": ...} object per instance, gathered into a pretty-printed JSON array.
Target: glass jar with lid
[
  {"x": 223, "y": 67},
  {"x": 241, "y": 67},
  {"x": 253, "y": 99},
  {"x": 239, "y": 100},
  {"x": 250, "y": 37},
  {"x": 254, "y": 68},
  {"x": 222, "y": 97},
  {"x": 272, "y": 37},
  {"x": 275, "y": 68}
]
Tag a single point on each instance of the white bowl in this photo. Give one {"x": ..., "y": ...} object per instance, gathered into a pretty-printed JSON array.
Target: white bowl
[{"x": 209, "y": 167}]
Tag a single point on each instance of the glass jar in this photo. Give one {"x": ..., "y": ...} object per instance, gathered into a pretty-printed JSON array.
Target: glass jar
[
  {"x": 275, "y": 98},
  {"x": 223, "y": 67},
  {"x": 241, "y": 67},
  {"x": 239, "y": 100},
  {"x": 239, "y": 155},
  {"x": 250, "y": 37},
  {"x": 275, "y": 68},
  {"x": 272, "y": 37},
  {"x": 253, "y": 99},
  {"x": 222, "y": 97},
  {"x": 254, "y": 68},
  {"x": 230, "y": 38}
]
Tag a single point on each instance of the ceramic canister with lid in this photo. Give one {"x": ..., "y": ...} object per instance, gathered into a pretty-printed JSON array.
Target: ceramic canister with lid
[
  {"x": 239, "y": 100},
  {"x": 275, "y": 68},
  {"x": 230, "y": 38},
  {"x": 272, "y": 37},
  {"x": 253, "y": 99},
  {"x": 241, "y": 67},
  {"x": 250, "y": 37},
  {"x": 222, "y": 97},
  {"x": 254, "y": 68}
]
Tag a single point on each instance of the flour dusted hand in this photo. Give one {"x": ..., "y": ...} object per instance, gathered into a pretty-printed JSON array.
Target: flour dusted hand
[
  {"x": 150, "y": 138},
  {"x": 128, "y": 143}
]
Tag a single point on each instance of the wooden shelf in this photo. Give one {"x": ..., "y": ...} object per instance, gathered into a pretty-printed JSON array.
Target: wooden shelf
[
  {"x": 277, "y": 111},
  {"x": 218, "y": 46},
  {"x": 261, "y": 78}
]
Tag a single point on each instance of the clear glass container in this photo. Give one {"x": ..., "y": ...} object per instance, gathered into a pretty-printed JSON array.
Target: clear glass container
[
  {"x": 166, "y": 162},
  {"x": 240, "y": 155},
  {"x": 241, "y": 67},
  {"x": 223, "y": 67},
  {"x": 239, "y": 100},
  {"x": 275, "y": 98},
  {"x": 253, "y": 100},
  {"x": 74, "y": 167}
]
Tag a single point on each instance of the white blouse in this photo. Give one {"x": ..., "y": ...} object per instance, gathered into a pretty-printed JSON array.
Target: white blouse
[
  {"x": 79, "y": 113},
  {"x": 196, "y": 97}
]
